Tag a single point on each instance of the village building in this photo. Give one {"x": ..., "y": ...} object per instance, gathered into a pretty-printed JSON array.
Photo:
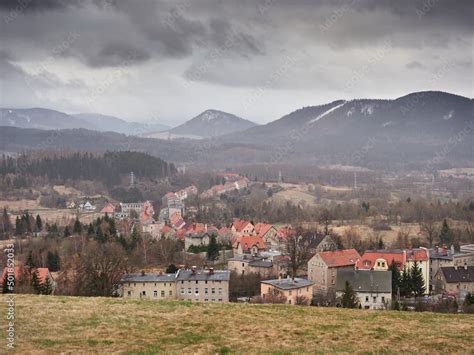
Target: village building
[
  {"x": 196, "y": 239},
  {"x": 153, "y": 229},
  {"x": 444, "y": 257},
  {"x": 149, "y": 286},
  {"x": 203, "y": 285},
  {"x": 373, "y": 288},
  {"x": 323, "y": 267},
  {"x": 240, "y": 227},
  {"x": 244, "y": 265},
  {"x": 87, "y": 206},
  {"x": 248, "y": 244},
  {"x": 132, "y": 206},
  {"x": 296, "y": 291},
  {"x": 22, "y": 273},
  {"x": 321, "y": 242},
  {"x": 382, "y": 259},
  {"x": 455, "y": 280}
]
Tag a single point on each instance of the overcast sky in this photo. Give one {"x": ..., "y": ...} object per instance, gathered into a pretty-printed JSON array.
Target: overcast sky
[{"x": 169, "y": 60}]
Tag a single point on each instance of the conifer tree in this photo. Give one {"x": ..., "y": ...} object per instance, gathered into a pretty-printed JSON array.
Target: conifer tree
[
  {"x": 77, "y": 229},
  {"x": 213, "y": 249},
  {"x": 67, "y": 232},
  {"x": 445, "y": 235},
  {"x": 47, "y": 287},
  {"x": 396, "y": 278},
  {"x": 349, "y": 297},
  {"x": 405, "y": 283},
  {"x": 35, "y": 282},
  {"x": 417, "y": 281},
  {"x": 39, "y": 223}
]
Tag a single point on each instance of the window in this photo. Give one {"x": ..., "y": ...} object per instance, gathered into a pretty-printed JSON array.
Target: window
[
  {"x": 375, "y": 299},
  {"x": 143, "y": 284},
  {"x": 182, "y": 291},
  {"x": 206, "y": 290},
  {"x": 162, "y": 293},
  {"x": 206, "y": 300},
  {"x": 182, "y": 282},
  {"x": 220, "y": 300},
  {"x": 383, "y": 298},
  {"x": 213, "y": 290},
  {"x": 171, "y": 293},
  {"x": 289, "y": 292},
  {"x": 213, "y": 300},
  {"x": 189, "y": 291},
  {"x": 129, "y": 293},
  {"x": 155, "y": 293},
  {"x": 196, "y": 291},
  {"x": 155, "y": 284},
  {"x": 196, "y": 282},
  {"x": 220, "y": 291},
  {"x": 243, "y": 265},
  {"x": 143, "y": 293},
  {"x": 366, "y": 298},
  {"x": 134, "y": 284},
  {"x": 205, "y": 282},
  {"x": 129, "y": 284}
]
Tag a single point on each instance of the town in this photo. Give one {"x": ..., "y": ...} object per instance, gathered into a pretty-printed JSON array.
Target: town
[{"x": 245, "y": 261}]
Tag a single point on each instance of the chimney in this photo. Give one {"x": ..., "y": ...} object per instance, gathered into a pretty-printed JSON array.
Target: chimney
[
  {"x": 143, "y": 272},
  {"x": 455, "y": 267},
  {"x": 211, "y": 271},
  {"x": 193, "y": 270},
  {"x": 452, "y": 249},
  {"x": 445, "y": 250},
  {"x": 205, "y": 227}
]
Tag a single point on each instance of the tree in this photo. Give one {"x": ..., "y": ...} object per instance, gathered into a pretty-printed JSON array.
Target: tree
[
  {"x": 171, "y": 269},
  {"x": 5, "y": 224},
  {"x": 77, "y": 229},
  {"x": 213, "y": 249},
  {"x": 395, "y": 277},
  {"x": 298, "y": 251},
  {"x": 35, "y": 282},
  {"x": 417, "y": 281},
  {"x": 349, "y": 297},
  {"x": 67, "y": 232},
  {"x": 405, "y": 283},
  {"x": 445, "y": 236},
  {"x": 52, "y": 261},
  {"x": 30, "y": 260},
  {"x": 39, "y": 223},
  {"x": 47, "y": 287},
  {"x": 428, "y": 228}
]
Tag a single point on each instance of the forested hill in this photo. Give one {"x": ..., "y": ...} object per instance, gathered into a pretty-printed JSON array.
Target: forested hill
[{"x": 86, "y": 166}]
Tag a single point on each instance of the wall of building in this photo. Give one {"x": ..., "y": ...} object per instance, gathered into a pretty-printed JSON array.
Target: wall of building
[
  {"x": 291, "y": 295},
  {"x": 204, "y": 291},
  {"x": 149, "y": 290}
]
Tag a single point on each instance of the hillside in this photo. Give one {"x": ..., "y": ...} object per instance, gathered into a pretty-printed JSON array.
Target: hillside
[
  {"x": 68, "y": 324},
  {"x": 212, "y": 123}
]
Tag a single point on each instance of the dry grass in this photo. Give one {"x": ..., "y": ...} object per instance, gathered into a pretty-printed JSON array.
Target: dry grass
[{"x": 48, "y": 324}]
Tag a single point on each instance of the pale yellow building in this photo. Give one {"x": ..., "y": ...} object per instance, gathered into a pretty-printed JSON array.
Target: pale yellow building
[{"x": 296, "y": 291}]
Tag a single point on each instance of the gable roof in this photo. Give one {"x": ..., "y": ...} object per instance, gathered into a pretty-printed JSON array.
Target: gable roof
[
  {"x": 176, "y": 220},
  {"x": 108, "y": 208},
  {"x": 458, "y": 274},
  {"x": 365, "y": 280},
  {"x": 263, "y": 228},
  {"x": 239, "y": 224},
  {"x": 217, "y": 275},
  {"x": 367, "y": 261},
  {"x": 249, "y": 241},
  {"x": 339, "y": 258}
]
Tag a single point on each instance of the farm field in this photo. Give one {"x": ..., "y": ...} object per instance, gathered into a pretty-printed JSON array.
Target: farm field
[{"x": 54, "y": 324}]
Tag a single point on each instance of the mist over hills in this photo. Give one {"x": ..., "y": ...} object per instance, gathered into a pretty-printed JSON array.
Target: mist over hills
[{"x": 416, "y": 129}]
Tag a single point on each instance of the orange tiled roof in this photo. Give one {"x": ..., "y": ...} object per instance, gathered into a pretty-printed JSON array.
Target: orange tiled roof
[
  {"x": 248, "y": 241},
  {"x": 340, "y": 257},
  {"x": 42, "y": 273},
  {"x": 239, "y": 224},
  {"x": 262, "y": 228},
  {"x": 367, "y": 261},
  {"x": 108, "y": 208}
]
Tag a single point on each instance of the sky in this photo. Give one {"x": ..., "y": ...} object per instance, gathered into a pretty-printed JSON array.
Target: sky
[{"x": 166, "y": 61}]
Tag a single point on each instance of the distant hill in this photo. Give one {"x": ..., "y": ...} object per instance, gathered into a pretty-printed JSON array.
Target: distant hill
[
  {"x": 211, "y": 123},
  {"x": 46, "y": 119},
  {"x": 113, "y": 124}
]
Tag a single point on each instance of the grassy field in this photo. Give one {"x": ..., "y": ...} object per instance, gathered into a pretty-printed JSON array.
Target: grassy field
[{"x": 49, "y": 324}]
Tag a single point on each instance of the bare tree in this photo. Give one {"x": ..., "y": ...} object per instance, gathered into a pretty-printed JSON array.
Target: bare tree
[
  {"x": 429, "y": 229},
  {"x": 297, "y": 248}
]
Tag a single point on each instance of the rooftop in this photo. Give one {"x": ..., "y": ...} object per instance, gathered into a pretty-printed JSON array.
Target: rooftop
[
  {"x": 288, "y": 284},
  {"x": 458, "y": 274},
  {"x": 340, "y": 257},
  {"x": 148, "y": 278},
  {"x": 365, "y": 280},
  {"x": 199, "y": 275}
]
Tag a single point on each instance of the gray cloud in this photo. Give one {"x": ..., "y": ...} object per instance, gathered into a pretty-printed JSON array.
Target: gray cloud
[{"x": 228, "y": 44}]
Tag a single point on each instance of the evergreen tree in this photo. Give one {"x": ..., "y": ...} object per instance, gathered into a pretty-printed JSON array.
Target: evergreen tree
[
  {"x": 171, "y": 269},
  {"x": 213, "y": 249},
  {"x": 67, "y": 232},
  {"x": 52, "y": 261},
  {"x": 30, "y": 260},
  {"x": 445, "y": 236},
  {"x": 90, "y": 230},
  {"x": 35, "y": 282},
  {"x": 417, "y": 281},
  {"x": 47, "y": 287},
  {"x": 18, "y": 226},
  {"x": 395, "y": 277},
  {"x": 405, "y": 283},
  {"x": 77, "y": 229},
  {"x": 39, "y": 223},
  {"x": 5, "y": 225},
  {"x": 349, "y": 297}
]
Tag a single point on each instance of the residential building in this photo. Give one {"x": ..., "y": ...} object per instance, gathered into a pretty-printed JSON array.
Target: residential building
[
  {"x": 323, "y": 266},
  {"x": 87, "y": 206},
  {"x": 205, "y": 285},
  {"x": 296, "y": 291},
  {"x": 23, "y": 274},
  {"x": 149, "y": 286},
  {"x": 321, "y": 242},
  {"x": 382, "y": 259},
  {"x": 196, "y": 239},
  {"x": 455, "y": 280},
  {"x": 444, "y": 257},
  {"x": 373, "y": 288},
  {"x": 153, "y": 228},
  {"x": 128, "y": 207},
  {"x": 108, "y": 209},
  {"x": 244, "y": 265},
  {"x": 240, "y": 227},
  {"x": 248, "y": 244}
]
